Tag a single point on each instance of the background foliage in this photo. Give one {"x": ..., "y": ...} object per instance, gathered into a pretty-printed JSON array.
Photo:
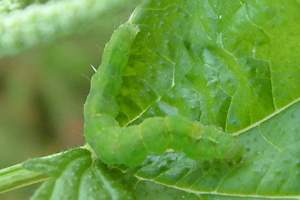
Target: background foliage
[{"x": 43, "y": 88}]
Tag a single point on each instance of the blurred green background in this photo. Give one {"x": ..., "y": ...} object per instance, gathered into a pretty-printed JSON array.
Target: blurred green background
[{"x": 42, "y": 92}]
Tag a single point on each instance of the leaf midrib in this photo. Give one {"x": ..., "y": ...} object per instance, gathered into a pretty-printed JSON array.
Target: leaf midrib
[
  {"x": 220, "y": 193},
  {"x": 267, "y": 118}
]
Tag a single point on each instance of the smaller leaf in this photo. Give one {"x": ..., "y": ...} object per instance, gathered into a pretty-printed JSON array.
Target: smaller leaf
[
  {"x": 53, "y": 165},
  {"x": 75, "y": 175}
]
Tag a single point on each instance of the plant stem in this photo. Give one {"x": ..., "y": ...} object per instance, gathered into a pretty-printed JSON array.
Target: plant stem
[{"x": 17, "y": 176}]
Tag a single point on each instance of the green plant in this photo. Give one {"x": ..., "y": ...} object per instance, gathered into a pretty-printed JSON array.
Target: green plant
[{"x": 193, "y": 100}]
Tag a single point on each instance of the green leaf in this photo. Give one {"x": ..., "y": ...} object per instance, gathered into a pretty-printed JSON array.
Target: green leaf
[
  {"x": 75, "y": 175},
  {"x": 209, "y": 67},
  {"x": 148, "y": 191}
]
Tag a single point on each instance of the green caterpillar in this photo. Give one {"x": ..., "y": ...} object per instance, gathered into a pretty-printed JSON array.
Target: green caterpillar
[{"x": 130, "y": 146}]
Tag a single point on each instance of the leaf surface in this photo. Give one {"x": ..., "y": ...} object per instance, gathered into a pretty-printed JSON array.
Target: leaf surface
[
  {"x": 232, "y": 66},
  {"x": 74, "y": 175}
]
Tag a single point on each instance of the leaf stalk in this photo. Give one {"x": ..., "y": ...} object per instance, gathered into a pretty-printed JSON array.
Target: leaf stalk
[{"x": 17, "y": 176}]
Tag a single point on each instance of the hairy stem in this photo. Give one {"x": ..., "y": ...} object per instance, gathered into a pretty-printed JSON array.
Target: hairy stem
[
  {"x": 17, "y": 176},
  {"x": 42, "y": 23}
]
